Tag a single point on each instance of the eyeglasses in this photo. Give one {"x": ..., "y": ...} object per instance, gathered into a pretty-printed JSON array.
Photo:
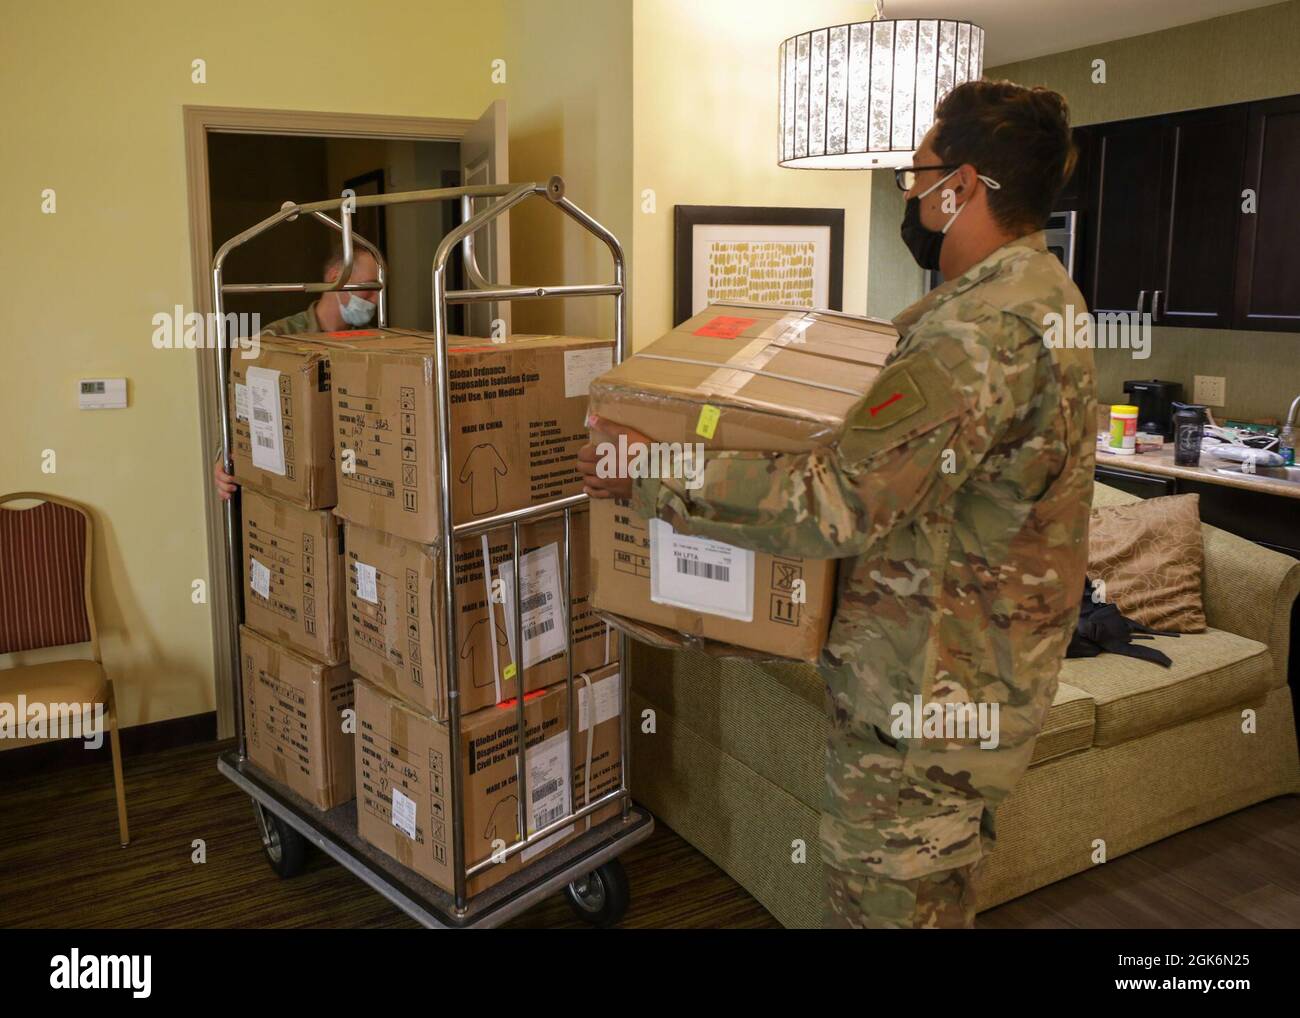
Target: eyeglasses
[{"x": 905, "y": 178}]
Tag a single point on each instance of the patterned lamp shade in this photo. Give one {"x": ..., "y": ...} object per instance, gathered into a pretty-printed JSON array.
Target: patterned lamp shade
[{"x": 862, "y": 96}]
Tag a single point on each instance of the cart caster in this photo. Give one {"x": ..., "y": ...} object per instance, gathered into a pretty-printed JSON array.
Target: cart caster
[
  {"x": 601, "y": 897},
  {"x": 286, "y": 849}
]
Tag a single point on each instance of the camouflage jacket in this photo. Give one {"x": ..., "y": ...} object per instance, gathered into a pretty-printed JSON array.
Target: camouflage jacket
[
  {"x": 959, "y": 496},
  {"x": 291, "y": 325}
]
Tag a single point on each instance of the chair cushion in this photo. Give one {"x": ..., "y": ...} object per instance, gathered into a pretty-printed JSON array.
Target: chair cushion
[
  {"x": 1211, "y": 671},
  {"x": 57, "y": 682}
]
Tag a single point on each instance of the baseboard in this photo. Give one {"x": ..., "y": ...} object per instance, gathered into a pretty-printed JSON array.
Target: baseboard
[{"x": 146, "y": 738}]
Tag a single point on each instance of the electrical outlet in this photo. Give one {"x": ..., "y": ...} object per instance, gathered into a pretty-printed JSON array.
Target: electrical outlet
[{"x": 1210, "y": 390}]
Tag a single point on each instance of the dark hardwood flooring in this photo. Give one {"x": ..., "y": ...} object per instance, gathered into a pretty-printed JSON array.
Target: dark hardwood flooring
[{"x": 62, "y": 867}]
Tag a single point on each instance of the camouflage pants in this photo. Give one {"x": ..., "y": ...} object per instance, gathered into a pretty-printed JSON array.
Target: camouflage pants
[
  {"x": 904, "y": 825},
  {"x": 939, "y": 901}
]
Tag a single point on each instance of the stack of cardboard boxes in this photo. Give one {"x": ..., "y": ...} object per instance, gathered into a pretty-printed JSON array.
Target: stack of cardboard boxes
[
  {"x": 293, "y": 645},
  {"x": 518, "y": 411}
]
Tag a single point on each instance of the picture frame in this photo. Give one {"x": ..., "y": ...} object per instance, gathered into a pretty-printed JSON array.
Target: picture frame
[{"x": 799, "y": 259}]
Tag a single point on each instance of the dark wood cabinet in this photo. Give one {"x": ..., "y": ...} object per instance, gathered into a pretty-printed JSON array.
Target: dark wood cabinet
[
  {"x": 1124, "y": 237},
  {"x": 1164, "y": 224},
  {"x": 1200, "y": 210},
  {"x": 1268, "y": 265}
]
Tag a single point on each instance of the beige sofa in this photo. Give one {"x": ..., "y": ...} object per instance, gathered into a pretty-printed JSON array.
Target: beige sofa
[{"x": 1130, "y": 753}]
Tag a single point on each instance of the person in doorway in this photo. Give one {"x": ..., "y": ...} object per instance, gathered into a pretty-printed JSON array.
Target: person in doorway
[
  {"x": 957, "y": 499},
  {"x": 332, "y": 311}
]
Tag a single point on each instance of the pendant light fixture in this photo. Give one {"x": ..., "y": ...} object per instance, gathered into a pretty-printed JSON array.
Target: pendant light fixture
[{"x": 862, "y": 96}]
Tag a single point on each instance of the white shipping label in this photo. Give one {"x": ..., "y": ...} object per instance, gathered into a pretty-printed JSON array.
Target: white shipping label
[
  {"x": 582, "y": 366},
  {"x": 259, "y": 578},
  {"x": 543, "y": 622},
  {"x": 404, "y": 813},
  {"x": 700, "y": 575},
  {"x": 241, "y": 401},
  {"x": 550, "y": 770},
  {"x": 367, "y": 583},
  {"x": 264, "y": 408},
  {"x": 604, "y": 695}
]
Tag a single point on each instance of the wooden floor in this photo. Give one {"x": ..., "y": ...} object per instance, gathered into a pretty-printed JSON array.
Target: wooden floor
[{"x": 62, "y": 867}]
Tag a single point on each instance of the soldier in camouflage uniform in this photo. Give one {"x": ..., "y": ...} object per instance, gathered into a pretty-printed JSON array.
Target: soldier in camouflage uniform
[{"x": 958, "y": 497}]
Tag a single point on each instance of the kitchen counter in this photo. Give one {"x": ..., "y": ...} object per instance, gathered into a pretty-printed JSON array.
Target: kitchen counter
[{"x": 1162, "y": 462}]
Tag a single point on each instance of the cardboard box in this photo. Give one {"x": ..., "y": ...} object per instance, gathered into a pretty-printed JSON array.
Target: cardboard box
[
  {"x": 395, "y": 614},
  {"x": 280, "y": 420},
  {"x": 404, "y": 783},
  {"x": 737, "y": 378},
  {"x": 293, "y": 719},
  {"x": 518, "y": 420},
  {"x": 598, "y": 728},
  {"x": 293, "y": 576}
]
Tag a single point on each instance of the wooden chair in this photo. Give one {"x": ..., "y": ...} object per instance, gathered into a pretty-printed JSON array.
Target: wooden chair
[{"x": 45, "y": 602}]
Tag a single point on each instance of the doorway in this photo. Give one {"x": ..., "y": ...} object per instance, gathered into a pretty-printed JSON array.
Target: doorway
[{"x": 242, "y": 165}]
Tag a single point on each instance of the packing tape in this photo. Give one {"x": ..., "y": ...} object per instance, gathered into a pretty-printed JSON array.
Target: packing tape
[
  {"x": 591, "y": 739},
  {"x": 492, "y": 620},
  {"x": 827, "y": 386}
]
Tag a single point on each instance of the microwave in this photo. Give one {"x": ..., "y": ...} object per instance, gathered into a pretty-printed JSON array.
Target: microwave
[{"x": 1062, "y": 236}]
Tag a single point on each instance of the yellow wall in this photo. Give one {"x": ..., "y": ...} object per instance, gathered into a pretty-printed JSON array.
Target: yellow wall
[
  {"x": 94, "y": 110},
  {"x": 705, "y": 113}
]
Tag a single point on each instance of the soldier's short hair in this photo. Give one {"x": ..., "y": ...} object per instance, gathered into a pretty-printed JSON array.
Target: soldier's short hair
[
  {"x": 335, "y": 259},
  {"x": 1018, "y": 136}
]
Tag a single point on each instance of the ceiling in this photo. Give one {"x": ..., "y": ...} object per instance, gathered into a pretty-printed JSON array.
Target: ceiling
[{"x": 1020, "y": 29}]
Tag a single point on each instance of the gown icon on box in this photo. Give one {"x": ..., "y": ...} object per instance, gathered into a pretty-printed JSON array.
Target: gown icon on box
[
  {"x": 480, "y": 659},
  {"x": 481, "y": 468},
  {"x": 505, "y": 816}
]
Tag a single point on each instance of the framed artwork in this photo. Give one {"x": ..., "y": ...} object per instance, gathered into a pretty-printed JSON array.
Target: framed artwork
[
  {"x": 372, "y": 222},
  {"x": 752, "y": 253}
]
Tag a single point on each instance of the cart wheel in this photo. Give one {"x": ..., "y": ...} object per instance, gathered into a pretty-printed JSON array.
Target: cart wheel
[
  {"x": 600, "y": 897},
  {"x": 286, "y": 849}
]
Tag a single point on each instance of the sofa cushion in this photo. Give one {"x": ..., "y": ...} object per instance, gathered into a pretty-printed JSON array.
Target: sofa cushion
[
  {"x": 1149, "y": 558},
  {"x": 1070, "y": 724},
  {"x": 1211, "y": 671}
]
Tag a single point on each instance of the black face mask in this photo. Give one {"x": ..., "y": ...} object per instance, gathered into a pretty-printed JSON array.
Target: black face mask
[{"x": 923, "y": 242}]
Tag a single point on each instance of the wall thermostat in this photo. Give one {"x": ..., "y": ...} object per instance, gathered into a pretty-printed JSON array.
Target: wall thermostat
[{"x": 101, "y": 393}]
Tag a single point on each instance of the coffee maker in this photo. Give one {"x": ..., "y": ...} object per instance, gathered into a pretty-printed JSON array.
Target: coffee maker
[{"x": 1154, "y": 400}]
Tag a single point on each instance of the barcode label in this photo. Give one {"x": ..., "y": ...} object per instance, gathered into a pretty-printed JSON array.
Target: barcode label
[
  {"x": 542, "y": 791},
  {"x": 534, "y": 601},
  {"x": 265, "y": 441},
  {"x": 549, "y": 816},
  {"x": 261, "y": 415},
  {"x": 700, "y": 574},
  {"x": 533, "y": 631},
  {"x": 705, "y": 569},
  {"x": 265, "y": 425}
]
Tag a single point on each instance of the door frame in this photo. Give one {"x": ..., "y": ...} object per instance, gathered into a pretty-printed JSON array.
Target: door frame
[{"x": 199, "y": 122}]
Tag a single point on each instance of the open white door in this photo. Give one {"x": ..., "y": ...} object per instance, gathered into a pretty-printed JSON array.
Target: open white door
[{"x": 485, "y": 159}]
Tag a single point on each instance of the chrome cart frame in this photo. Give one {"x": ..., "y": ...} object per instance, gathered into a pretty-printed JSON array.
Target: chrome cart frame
[{"x": 282, "y": 815}]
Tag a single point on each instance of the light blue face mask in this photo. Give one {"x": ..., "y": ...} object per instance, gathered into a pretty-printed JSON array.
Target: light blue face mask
[{"x": 357, "y": 311}]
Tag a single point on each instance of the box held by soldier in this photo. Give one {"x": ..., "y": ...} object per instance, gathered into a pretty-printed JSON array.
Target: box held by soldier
[
  {"x": 518, "y": 409},
  {"x": 395, "y": 613},
  {"x": 750, "y": 379},
  {"x": 293, "y": 720},
  {"x": 403, "y": 765},
  {"x": 293, "y": 576}
]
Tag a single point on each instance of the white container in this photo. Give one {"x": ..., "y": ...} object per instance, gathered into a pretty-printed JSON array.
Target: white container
[{"x": 1123, "y": 430}]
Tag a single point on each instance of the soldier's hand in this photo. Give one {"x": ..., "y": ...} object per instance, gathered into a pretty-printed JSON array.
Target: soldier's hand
[
  {"x": 225, "y": 482},
  {"x": 604, "y": 446}
]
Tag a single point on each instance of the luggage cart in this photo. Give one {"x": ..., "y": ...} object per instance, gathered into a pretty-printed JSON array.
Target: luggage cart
[{"x": 586, "y": 868}]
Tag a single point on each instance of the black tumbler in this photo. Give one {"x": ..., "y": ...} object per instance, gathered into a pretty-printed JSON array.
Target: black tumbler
[{"x": 1189, "y": 425}]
